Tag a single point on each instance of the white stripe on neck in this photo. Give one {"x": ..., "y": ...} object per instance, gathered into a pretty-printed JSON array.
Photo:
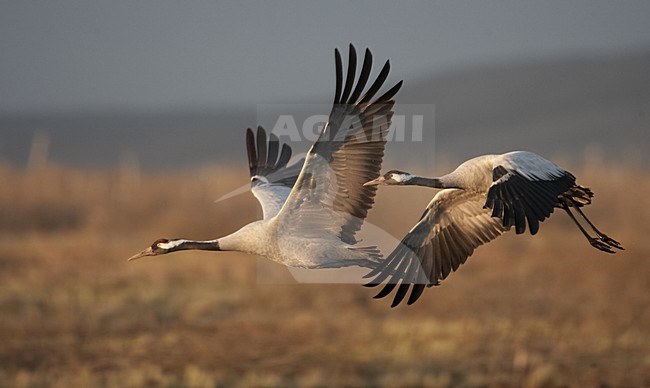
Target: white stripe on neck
[
  {"x": 171, "y": 244},
  {"x": 400, "y": 178}
]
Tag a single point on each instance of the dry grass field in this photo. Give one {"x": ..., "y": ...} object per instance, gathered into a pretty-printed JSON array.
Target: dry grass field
[{"x": 547, "y": 310}]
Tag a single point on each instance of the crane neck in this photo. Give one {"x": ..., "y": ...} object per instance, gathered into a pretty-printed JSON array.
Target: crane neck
[{"x": 426, "y": 182}]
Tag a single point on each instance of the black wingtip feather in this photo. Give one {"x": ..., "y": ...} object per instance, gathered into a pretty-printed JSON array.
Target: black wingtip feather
[
  {"x": 389, "y": 94},
  {"x": 533, "y": 225},
  {"x": 339, "y": 76},
  {"x": 250, "y": 148},
  {"x": 285, "y": 156},
  {"x": 274, "y": 148},
  {"x": 418, "y": 289},
  {"x": 400, "y": 294},
  {"x": 388, "y": 288},
  {"x": 379, "y": 81},
  {"x": 363, "y": 77},
  {"x": 352, "y": 69},
  {"x": 261, "y": 146}
]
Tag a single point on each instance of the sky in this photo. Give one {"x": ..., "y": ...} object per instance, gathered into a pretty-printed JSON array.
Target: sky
[{"x": 60, "y": 57}]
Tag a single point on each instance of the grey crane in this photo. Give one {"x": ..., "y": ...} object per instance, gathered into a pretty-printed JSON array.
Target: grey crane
[
  {"x": 479, "y": 201},
  {"x": 312, "y": 209}
]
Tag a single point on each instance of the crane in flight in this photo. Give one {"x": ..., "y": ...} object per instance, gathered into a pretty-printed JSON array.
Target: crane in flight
[
  {"x": 312, "y": 209},
  {"x": 480, "y": 200}
]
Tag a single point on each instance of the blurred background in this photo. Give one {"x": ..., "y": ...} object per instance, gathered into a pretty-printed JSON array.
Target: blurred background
[{"x": 122, "y": 122}]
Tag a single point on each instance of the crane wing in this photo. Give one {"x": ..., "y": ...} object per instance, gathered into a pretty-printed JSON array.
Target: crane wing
[
  {"x": 452, "y": 226},
  {"x": 329, "y": 196},
  {"x": 271, "y": 175},
  {"x": 525, "y": 187}
]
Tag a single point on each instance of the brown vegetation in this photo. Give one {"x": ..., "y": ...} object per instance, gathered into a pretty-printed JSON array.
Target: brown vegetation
[{"x": 543, "y": 310}]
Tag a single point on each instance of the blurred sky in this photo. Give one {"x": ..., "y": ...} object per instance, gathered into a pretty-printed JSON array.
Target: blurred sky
[{"x": 77, "y": 56}]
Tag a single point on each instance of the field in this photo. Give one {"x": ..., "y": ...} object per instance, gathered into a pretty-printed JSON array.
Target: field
[{"x": 547, "y": 310}]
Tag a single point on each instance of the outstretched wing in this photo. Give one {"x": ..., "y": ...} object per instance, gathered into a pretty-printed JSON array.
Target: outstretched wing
[
  {"x": 271, "y": 176},
  {"x": 525, "y": 187},
  {"x": 452, "y": 226},
  {"x": 329, "y": 196}
]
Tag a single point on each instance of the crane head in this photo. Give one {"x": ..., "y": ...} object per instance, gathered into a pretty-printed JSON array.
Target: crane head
[
  {"x": 392, "y": 177},
  {"x": 159, "y": 247}
]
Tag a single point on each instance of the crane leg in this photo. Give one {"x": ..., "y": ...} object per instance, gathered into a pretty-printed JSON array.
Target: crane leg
[
  {"x": 594, "y": 241},
  {"x": 603, "y": 237}
]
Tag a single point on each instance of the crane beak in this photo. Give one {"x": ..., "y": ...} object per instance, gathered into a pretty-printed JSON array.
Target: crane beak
[
  {"x": 375, "y": 182},
  {"x": 146, "y": 252}
]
